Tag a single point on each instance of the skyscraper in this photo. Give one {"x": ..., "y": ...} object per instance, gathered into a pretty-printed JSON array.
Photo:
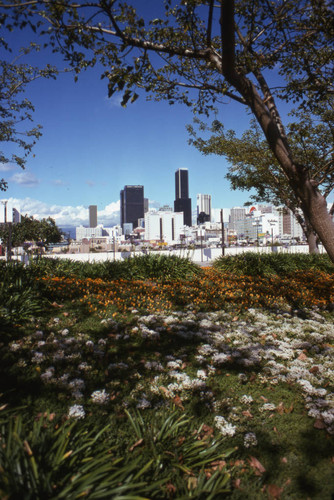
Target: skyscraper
[
  {"x": 182, "y": 201},
  {"x": 92, "y": 215},
  {"x": 203, "y": 208},
  {"x": 132, "y": 205}
]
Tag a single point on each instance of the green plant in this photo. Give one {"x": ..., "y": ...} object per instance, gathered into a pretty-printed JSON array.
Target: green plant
[
  {"x": 19, "y": 303},
  {"x": 180, "y": 453},
  {"x": 253, "y": 264},
  {"x": 68, "y": 460}
]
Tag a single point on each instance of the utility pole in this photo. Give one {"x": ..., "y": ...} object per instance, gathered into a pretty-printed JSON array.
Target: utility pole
[{"x": 223, "y": 236}]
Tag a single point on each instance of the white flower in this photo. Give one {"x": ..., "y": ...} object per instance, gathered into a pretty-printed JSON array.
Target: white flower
[
  {"x": 267, "y": 407},
  {"x": 14, "y": 347},
  {"x": 219, "y": 358},
  {"x": 77, "y": 383},
  {"x": 224, "y": 427},
  {"x": 65, "y": 332},
  {"x": 89, "y": 344},
  {"x": 38, "y": 357},
  {"x": 84, "y": 366},
  {"x": 246, "y": 399},
  {"x": 143, "y": 403},
  {"x": 100, "y": 397},
  {"x": 250, "y": 439},
  {"x": 76, "y": 411},
  {"x": 102, "y": 342},
  {"x": 201, "y": 374},
  {"x": 174, "y": 365},
  {"x": 48, "y": 374}
]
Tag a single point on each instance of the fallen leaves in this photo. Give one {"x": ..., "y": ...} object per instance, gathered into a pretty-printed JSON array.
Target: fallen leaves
[
  {"x": 319, "y": 424},
  {"x": 256, "y": 466},
  {"x": 281, "y": 409},
  {"x": 137, "y": 443},
  {"x": 274, "y": 491}
]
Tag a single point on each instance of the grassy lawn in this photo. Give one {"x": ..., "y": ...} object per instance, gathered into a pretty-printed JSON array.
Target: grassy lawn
[{"x": 155, "y": 379}]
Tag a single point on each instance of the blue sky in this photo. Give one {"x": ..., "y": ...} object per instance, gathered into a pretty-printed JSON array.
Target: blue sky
[{"x": 91, "y": 147}]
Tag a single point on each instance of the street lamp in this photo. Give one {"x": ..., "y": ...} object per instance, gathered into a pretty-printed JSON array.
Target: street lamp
[
  {"x": 7, "y": 222},
  {"x": 223, "y": 234}
]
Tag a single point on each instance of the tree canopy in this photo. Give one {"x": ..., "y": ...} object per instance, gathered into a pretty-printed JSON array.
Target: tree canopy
[
  {"x": 204, "y": 53},
  {"x": 254, "y": 167},
  {"x": 31, "y": 230}
]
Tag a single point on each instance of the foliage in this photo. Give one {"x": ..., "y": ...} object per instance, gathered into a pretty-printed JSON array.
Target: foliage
[
  {"x": 19, "y": 304},
  {"x": 65, "y": 460},
  {"x": 159, "y": 267},
  {"x": 20, "y": 299},
  {"x": 212, "y": 290},
  {"x": 32, "y": 230},
  {"x": 254, "y": 166},
  {"x": 252, "y": 264}
]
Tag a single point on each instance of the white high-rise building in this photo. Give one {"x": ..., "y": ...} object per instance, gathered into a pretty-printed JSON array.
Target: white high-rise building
[
  {"x": 204, "y": 206},
  {"x": 288, "y": 224},
  {"x": 236, "y": 214},
  {"x": 163, "y": 226}
]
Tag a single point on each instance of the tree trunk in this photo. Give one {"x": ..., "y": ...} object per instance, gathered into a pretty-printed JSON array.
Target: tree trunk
[
  {"x": 314, "y": 205},
  {"x": 312, "y": 241}
]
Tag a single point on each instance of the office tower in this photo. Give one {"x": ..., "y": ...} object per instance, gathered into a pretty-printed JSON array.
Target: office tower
[
  {"x": 236, "y": 214},
  {"x": 146, "y": 205},
  {"x": 203, "y": 208},
  {"x": 92, "y": 215},
  {"x": 182, "y": 201},
  {"x": 163, "y": 226},
  {"x": 132, "y": 205}
]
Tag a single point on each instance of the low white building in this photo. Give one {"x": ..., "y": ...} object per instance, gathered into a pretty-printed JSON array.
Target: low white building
[
  {"x": 82, "y": 232},
  {"x": 258, "y": 226},
  {"x": 164, "y": 226}
]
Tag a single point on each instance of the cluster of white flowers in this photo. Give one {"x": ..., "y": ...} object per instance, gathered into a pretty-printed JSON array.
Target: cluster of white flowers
[
  {"x": 224, "y": 427},
  {"x": 143, "y": 403},
  {"x": 77, "y": 412},
  {"x": 246, "y": 399},
  {"x": 250, "y": 440},
  {"x": 267, "y": 407},
  {"x": 38, "y": 357},
  {"x": 14, "y": 347},
  {"x": 100, "y": 397}
]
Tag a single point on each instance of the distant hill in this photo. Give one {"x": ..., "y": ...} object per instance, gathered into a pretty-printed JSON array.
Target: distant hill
[{"x": 69, "y": 231}]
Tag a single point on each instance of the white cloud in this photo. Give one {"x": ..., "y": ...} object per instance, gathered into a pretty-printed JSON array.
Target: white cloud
[
  {"x": 67, "y": 215},
  {"x": 7, "y": 167},
  {"x": 25, "y": 178}
]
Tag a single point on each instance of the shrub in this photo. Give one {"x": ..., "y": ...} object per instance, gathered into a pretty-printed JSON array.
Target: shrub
[
  {"x": 160, "y": 267},
  {"x": 254, "y": 264}
]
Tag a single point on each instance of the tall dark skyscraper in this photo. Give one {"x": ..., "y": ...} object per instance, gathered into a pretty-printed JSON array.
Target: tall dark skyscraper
[
  {"x": 132, "y": 205},
  {"x": 92, "y": 215},
  {"x": 182, "y": 201}
]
